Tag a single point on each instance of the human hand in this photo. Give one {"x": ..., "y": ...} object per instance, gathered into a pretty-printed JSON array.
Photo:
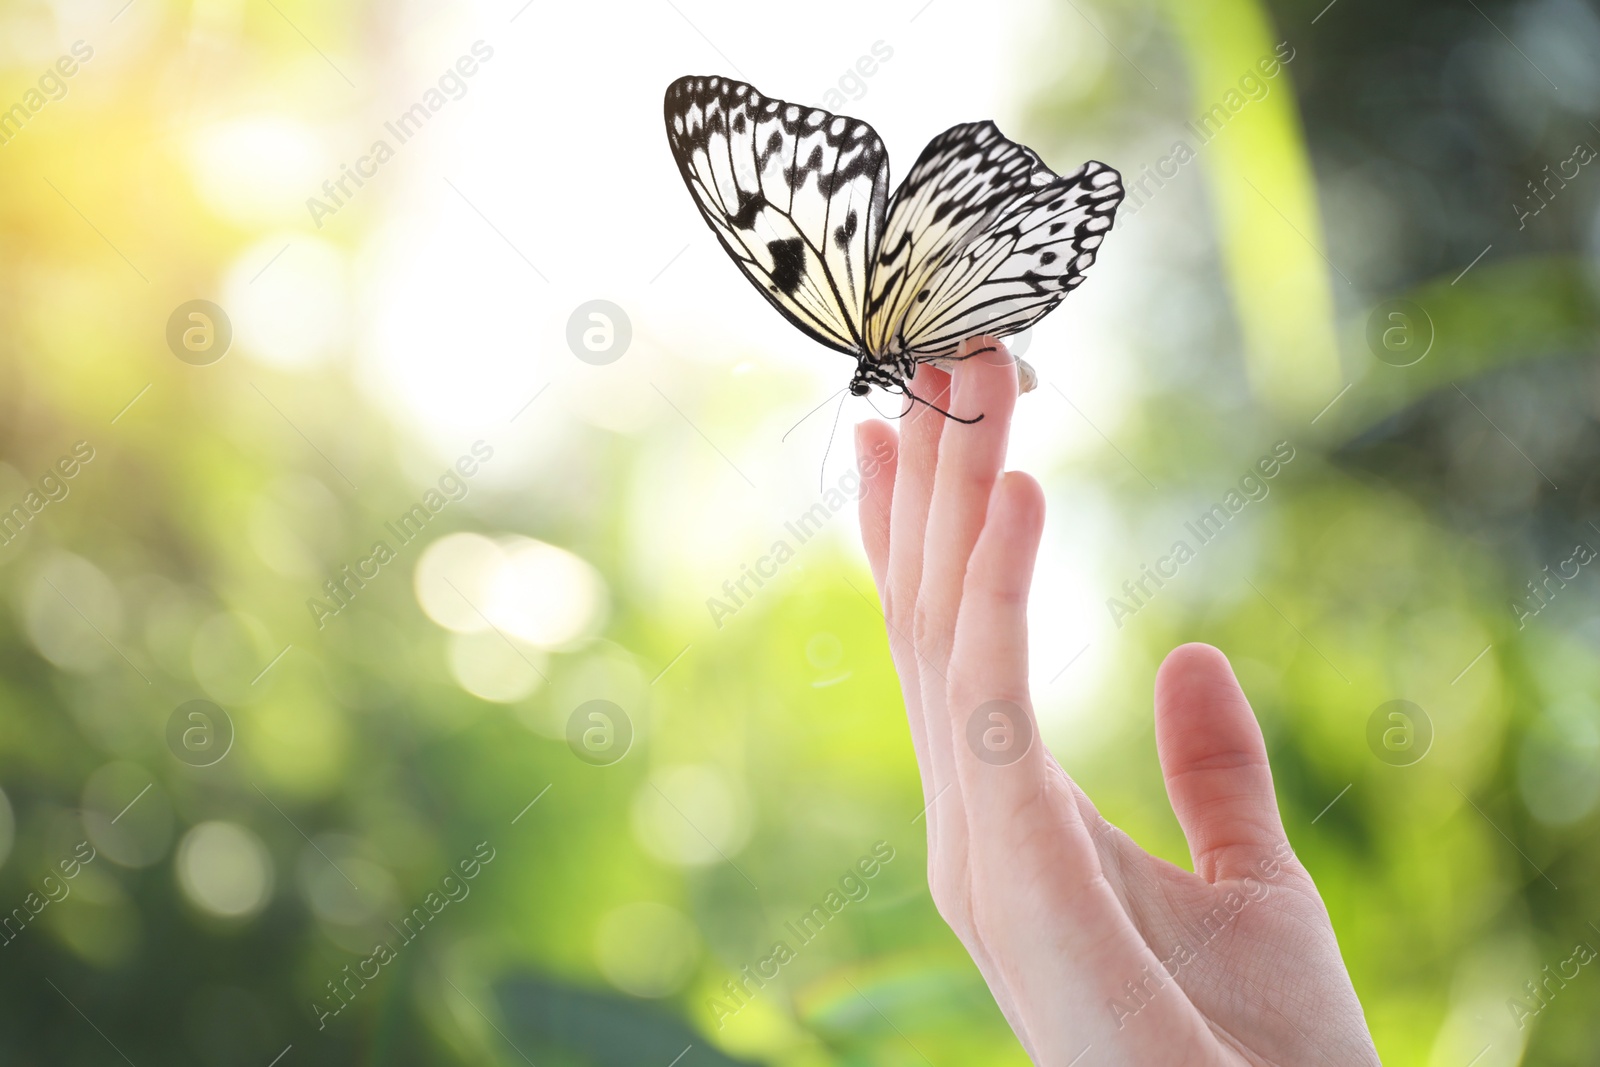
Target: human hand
[{"x": 1096, "y": 951}]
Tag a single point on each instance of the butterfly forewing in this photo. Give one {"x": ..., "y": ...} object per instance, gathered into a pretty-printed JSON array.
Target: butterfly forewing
[
  {"x": 982, "y": 238},
  {"x": 796, "y": 195}
]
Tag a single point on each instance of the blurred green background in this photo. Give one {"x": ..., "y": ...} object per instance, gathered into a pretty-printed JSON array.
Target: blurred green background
[{"x": 1381, "y": 253}]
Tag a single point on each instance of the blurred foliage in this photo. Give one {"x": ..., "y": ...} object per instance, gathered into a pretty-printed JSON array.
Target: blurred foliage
[{"x": 770, "y": 756}]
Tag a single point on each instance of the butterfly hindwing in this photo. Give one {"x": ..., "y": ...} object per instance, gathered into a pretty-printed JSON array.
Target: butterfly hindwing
[
  {"x": 796, "y": 195},
  {"x": 982, "y": 238}
]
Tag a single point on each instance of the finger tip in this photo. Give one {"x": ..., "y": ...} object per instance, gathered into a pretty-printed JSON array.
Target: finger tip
[
  {"x": 1196, "y": 650},
  {"x": 999, "y": 355},
  {"x": 990, "y": 357},
  {"x": 870, "y": 432},
  {"x": 1191, "y": 658},
  {"x": 930, "y": 381},
  {"x": 1192, "y": 678},
  {"x": 983, "y": 355},
  {"x": 1021, "y": 493},
  {"x": 987, "y": 379}
]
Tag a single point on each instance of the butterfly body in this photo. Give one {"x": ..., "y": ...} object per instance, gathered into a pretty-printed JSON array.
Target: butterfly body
[{"x": 981, "y": 238}]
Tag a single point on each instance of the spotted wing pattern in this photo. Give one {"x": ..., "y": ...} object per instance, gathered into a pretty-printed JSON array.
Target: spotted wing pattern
[
  {"x": 982, "y": 238},
  {"x": 795, "y": 194}
]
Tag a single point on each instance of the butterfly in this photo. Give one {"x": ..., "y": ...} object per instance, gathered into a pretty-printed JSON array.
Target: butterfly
[{"x": 980, "y": 239}]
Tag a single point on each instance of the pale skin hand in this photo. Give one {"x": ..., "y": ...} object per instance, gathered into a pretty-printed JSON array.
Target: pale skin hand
[{"x": 1059, "y": 909}]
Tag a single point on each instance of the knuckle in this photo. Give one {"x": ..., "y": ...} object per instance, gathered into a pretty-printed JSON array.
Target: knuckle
[
  {"x": 891, "y": 601},
  {"x": 927, "y": 625}
]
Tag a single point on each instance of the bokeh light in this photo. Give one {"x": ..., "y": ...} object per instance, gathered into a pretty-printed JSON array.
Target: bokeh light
[
  {"x": 691, "y": 815},
  {"x": 647, "y": 949},
  {"x": 224, "y": 870}
]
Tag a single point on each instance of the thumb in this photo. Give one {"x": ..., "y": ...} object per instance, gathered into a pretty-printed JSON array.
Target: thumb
[{"x": 1215, "y": 764}]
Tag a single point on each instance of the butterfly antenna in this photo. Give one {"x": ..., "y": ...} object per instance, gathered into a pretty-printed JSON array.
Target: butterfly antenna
[
  {"x": 942, "y": 411},
  {"x": 823, "y": 470},
  {"x": 871, "y": 402},
  {"x": 879, "y": 410},
  {"x": 806, "y": 416}
]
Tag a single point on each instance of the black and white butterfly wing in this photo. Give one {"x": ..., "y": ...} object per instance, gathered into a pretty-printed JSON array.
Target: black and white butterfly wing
[
  {"x": 796, "y": 195},
  {"x": 982, "y": 239}
]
